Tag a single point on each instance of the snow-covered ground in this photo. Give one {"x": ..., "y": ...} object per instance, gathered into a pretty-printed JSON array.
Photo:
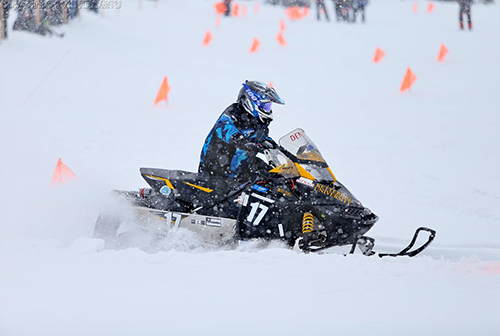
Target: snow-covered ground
[{"x": 429, "y": 157}]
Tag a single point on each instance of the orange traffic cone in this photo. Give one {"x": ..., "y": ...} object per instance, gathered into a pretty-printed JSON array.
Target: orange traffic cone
[
  {"x": 207, "y": 39},
  {"x": 430, "y": 7},
  {"x": 443, "y": 51},
  {"x": 62, "y": 174},
  {"x": 255, "y": 46},
  {"x": 282, "y": 25},
  {"x": 281, "y": 38},
  {"x": 163, "y": 92},
  {"x": 408, "y": 81},
  {"x": 379, "y": 54}
]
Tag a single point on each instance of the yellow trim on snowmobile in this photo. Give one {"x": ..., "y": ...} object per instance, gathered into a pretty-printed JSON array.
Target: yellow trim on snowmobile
[
  {"x": 303, "y": 172},
  {"x": 279, "y": 169},
  {"x": 334, "y": 178},
  {"x": 167, "y": 182},
  {"x": 198, "y": 187}
]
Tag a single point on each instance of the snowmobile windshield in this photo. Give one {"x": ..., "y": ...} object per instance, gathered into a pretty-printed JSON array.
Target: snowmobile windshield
[
  {"x": 282, "y": 164},
  {"x": 301, "y": 146}
]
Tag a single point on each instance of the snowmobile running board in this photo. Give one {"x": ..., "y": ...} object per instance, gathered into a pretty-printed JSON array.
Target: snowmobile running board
[{"x": 366, "y": 244}]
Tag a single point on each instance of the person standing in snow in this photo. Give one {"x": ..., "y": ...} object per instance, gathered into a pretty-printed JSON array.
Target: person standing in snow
[
  {"x": 4, "y": 8},
  {"x": 342, "y": 9},
  {"x": 320, "y": 6},
  {"x": 464, "y": 10},
  {"x": 228, "y": 7},
  {"x": 337, "y": 5},
  {"x": 93, "y": 6},
  {"x": 359, "y": 6},
  {"x": 241, "y": 131},
  {"x": 27, "y": 19}
]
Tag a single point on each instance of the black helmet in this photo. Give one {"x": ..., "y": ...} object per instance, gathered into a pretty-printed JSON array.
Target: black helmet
[{"x": 257, "y": 98}]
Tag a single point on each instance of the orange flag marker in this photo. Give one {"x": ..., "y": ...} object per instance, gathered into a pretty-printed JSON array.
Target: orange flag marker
[
  {"x": 220, "y": 8},
  {"x": 163, "y": 92},
  {"x": 255, "y": 46},
  {"x": 443, "y": 51},
  {"x": 430, "y": 7},
  {"x": 217, "y": 21},
  {"x": 236, "y": 10},
  {"x": 62, "y": 174},
  {"x": 281, "y": 38},
  {"x": 282, "y": 25},
  {"x": 207, "y": 39},
  {"x": 415, "y": 7},
  {"x": 379, "y": 54},
  {"x": 243, "y": 10},
  {"x": 408, "y": 81},
  {"x": 271, "y": 84},
  {"x": 256, "y": 8},
  {"x": 295, "y": 13}
]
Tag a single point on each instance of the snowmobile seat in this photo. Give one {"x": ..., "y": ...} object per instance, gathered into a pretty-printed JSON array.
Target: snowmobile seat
[{"x": 198, "y": 189}]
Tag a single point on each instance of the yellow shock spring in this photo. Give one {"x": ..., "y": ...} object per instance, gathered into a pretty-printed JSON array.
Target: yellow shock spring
[{"x": 307, "y": 223}]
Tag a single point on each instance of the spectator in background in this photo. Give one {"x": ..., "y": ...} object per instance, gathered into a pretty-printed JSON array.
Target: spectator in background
[
  {"x": 93, "y": 5},
  {"x": 337, "y": 5},
  {"x": 33, "y": 21},
  {"x": 4, "y": 8},
  {"x": 228, "y": 7},
  {"x": 359, "y": 6},
  {"x": 464, "y": 9},
  {"x": 53, "y": 12},
  {"x": 343, "y": 9},
  {"x": 72, "y": 9},
  {"x": 320, "y": 6}
]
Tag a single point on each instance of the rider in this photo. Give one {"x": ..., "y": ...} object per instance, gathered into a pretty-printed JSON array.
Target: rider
[{"x": 240, "y": 132}]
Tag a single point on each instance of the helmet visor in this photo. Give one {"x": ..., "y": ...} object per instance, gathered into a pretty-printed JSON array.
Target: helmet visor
[{"x": 267, "y": 106}]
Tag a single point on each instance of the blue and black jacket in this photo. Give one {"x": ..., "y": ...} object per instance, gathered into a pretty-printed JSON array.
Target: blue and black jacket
[{"x": 225, "y": 152}]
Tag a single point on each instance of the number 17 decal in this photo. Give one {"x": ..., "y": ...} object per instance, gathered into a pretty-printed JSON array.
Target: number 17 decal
[
  {"x": 256, "y": 206},
  {"x": 173, "y": 219}
]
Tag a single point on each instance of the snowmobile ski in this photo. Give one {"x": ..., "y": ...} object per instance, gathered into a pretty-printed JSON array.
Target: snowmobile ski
[
  {"x": 366, "y": 245},
  {"x": 407, "y": 250}
]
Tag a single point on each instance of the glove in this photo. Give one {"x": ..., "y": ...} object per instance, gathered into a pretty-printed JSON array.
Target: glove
[
  {"x": 252, "y": 147},
  {"x": 269, "y": 144}
]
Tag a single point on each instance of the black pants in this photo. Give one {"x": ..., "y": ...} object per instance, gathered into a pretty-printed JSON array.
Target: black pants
[
  {"x": 338, "y": 9},
  {"x": 464, "y": 9},
  {"x": 356, "y": 10},
  {"x": 321, "y": 5}
]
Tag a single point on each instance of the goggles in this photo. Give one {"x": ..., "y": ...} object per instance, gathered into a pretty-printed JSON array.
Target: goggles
[{"x": 267, "y": 106}]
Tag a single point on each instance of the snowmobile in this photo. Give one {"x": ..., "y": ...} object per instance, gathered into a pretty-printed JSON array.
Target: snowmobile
[{"x": 291, "y": 195}]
